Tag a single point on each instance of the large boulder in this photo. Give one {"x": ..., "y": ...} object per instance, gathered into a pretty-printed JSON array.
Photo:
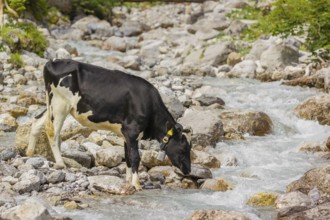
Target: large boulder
[
  {"x": 149, "y": 159},
  {"x": 115, "y": 43},
  {"x": 214, "y": 55},
  {"x": 246, "y": 121},
  {"x": 31, "y": 209},
  {"x": 110, "y": 156},
  {"x": 111, "y": 185},
  {"x": 217, "y": 215},
  {"x": 292, "y": 199},
  {"x": 315, "y": 108},
  {"x": 244, "y": 69},
  {"x": 133, "y": 28},
  {"x": 219, "y": 185},
  {"x": 94, "y": 27},
  {"x": 206, "y": 125},
  {"x": 318, "y": 177},
  {"x": 262, "y": 199},
  {"x": 279, "y": 56},
  {"x": 204, "y": 158}
]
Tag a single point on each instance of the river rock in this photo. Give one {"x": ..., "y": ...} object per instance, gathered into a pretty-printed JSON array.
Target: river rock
[
  {"x": 7, "y": 169},
  {"x": 315, "y": 108},
  {"x": 321, "y": 212},
  {"x": 209, "y": 100},
  {"x": 263, "y": 199},
  {"x": 14, "y": 110},
  {"x": 62, "y": 53},
  {"x": 110, "y": 157},
  {"x": 258, "y": 47},
  {"x": 219, "y": 185},
  {"x": 83, "y": 158},
  {"x": 318, "y": 177},
  {"x": 246, "y": 121},
  {"x": 163, "y": 173},
  {"x": 292, "y": 199},
  {"x": 42, "y": 147},
  {"x": 311, "y": 147},
  {"x": 200, "y": 172},
  {"x": 6, "y": 197},
  {"x": 36, "y": 162},
  {"x": 214, "y": 55},
  {"x": 28, "y": 182},
  {"x": 149, "y": 159},
  {"x": 115, "y": 43},
  {"x": 111, "y": 184},
  {"x": 71, "y": 127},
  {"x": 133, "y": 28},
  {"x": 56, "y": 176},
  {"x": 279, "y": 56},
  {"x": 7, "y": 122},
  {"x": 217, "y": 215},
  {"x": 244, "y": 69},
  {"x": 212, "y": 21},
  {"x": 203, "y": 158},
  {"x": 31, "y": 209},
  {"x": 234, "y": 58},
  {"x": 189, "y": 69},
  {"x": 173, "y": 104},
  {"x": 206, "y": 125},
  {"x": 236, "y": 28}
]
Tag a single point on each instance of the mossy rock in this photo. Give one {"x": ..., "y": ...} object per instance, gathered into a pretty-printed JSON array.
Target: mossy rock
[{"x": 263, "y": 199}]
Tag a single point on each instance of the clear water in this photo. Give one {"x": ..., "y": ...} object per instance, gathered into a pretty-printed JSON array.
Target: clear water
[{"x": 266, "y": 163}]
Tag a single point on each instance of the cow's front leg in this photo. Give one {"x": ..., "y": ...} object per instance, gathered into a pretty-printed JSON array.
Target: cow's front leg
[{"x": 133, "y": 157}]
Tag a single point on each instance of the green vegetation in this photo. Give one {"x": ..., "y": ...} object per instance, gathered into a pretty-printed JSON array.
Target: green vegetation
[
  {"x": 99, "y": 8},
  {"x": 38, "y": 8},
  {"x": 16, "y": 60},
  {"x": 305, "y": 18},
  {"x": 23, "y": 36}
]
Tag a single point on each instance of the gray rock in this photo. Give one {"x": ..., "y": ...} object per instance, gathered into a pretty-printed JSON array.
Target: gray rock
[
  {"x": 244, "y": 69},
  {"x": 56, "y": 176},
  {"x": 115, "y": 43},
  {"x": 133, "y": 28},
  {"x": 258, "y": 47},
  {"x": 7, "y": 170},
  {"x": 36, "y": 162},
  {"x": 200, "y": 172},
  {"x": 279, "y": 56},
  {"x": 209, "y": 100},
  {"x": 214, "y": 55},
  {"x": 206, "y": 125},
  {"x": 173, "y": 105},
  {"x": 7, "y": 122},
  {"x": 28, "y": 182},
  {"x": 149, "y": 159},
  {"x": 236, "y": 28},
  {"x": 62, "y": 53},
  {"x": 31, "y": 209},
  {"x": 6, "y": 197},
  {"x": 70, "y": 177},
  {"x": 83, "y": 158},
  {"x": 204, "y": 158},
  {"x": 246, "y": 121},
  {"x": 110, "y": 157},
  {"x": 111, "y": 184},
  {"x": 292, "y": 199},
  {"x": 7, "y": 154},
  {"x": 218, "y": 214}
]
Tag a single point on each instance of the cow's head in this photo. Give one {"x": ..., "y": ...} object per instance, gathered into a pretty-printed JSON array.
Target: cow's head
[{"x": 178, "y": 147}]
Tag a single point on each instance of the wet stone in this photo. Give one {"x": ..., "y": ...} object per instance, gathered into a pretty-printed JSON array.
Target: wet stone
[{"x": 56, "y": 176}]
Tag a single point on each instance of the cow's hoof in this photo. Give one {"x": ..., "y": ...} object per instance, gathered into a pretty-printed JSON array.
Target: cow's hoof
[
  {"x": 59, "y": 166},
  {"x": 29, "y": 153}
]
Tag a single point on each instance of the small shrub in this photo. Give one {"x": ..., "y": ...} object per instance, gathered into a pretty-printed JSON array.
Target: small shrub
[
  {"x": 16, "y": 60},
  {"x": 39, "y": 8},
  {"x": 24, "y": 36}
]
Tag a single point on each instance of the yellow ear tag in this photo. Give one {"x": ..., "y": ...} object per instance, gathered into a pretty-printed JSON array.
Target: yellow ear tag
[{"x": 170, "y": 132}]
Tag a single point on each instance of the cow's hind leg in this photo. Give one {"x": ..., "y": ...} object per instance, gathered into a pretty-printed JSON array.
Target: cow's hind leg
[
  {"x": 59, "y": 109},
  {"x": 36, "y": 128}
]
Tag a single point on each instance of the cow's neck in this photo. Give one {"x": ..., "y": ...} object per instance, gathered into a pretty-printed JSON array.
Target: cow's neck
[{"x": 160, "y": 128}]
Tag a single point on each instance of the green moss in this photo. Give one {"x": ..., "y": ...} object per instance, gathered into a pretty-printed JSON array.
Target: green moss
[
  {"x": 16, "y": 60},
  {"x": 24, "y": 36}
]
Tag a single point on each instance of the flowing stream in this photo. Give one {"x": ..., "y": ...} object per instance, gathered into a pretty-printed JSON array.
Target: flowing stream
[{"x": 265, "y": 164}]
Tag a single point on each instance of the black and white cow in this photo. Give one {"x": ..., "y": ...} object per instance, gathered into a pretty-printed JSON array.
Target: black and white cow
[{"x": 105, "y": 99}]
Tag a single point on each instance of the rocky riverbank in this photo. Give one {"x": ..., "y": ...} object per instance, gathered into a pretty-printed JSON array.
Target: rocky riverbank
[{"x": 175, "y": 47}]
